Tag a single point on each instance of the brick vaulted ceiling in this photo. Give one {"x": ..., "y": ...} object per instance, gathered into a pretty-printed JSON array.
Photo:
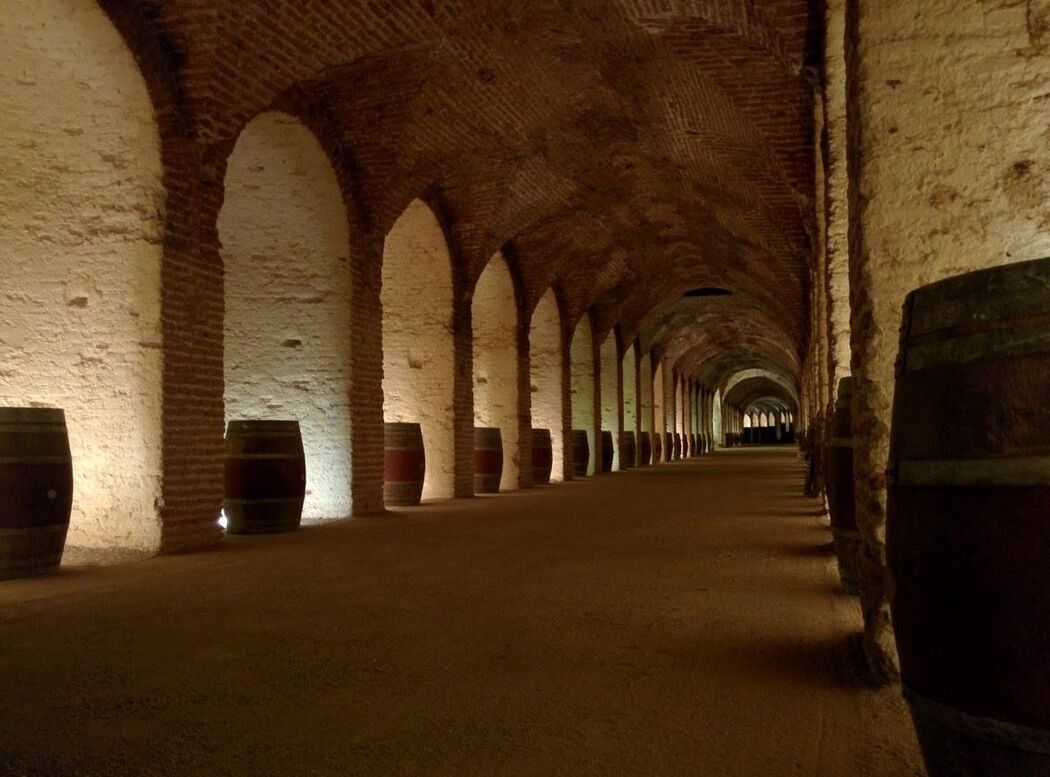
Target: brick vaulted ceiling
[{"x": 622, "y": 150}]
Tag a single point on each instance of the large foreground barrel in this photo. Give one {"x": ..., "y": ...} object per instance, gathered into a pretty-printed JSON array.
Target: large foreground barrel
[
  {"x": 840, "y": 490},
  {"x": 488, "y": 459},
  {"x": 36, "y": 489},
  {"x": 542, "y": 457},
  {"x": 968, "y": 531},
  {"x": 265, "y": 477},
  {"x": 628, "y": 450},
  {"x": 581, "y": 453},
  {"x": 607, "y": 451},
  {"x": 404, "y": 464},
  {"x": 645, "y": 449}
]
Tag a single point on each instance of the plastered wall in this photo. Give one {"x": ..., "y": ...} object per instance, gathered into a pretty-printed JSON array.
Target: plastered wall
[
  {"x": 660, "y": 407},
  {"x": 645, "y": 398},
  {"x": 582, "y": 354},
  {"x": 716, "y": 419},
  {"x": 495, "y": 321},
  {"x": 630, "y": 392},
  {"x": 417, "y": 339},
  {"x": 610, "y": 394},
  {"x": 81, "y": 223},
  {"x": 545, "y": 356},
  {"x": 836, "y": 243},
  {"x": 950, "y": 169},
  {"x": 285, "y": 245}
]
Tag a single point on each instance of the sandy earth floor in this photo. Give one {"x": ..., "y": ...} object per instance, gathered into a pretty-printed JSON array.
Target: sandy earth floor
[{"x": 679, "y": 620}]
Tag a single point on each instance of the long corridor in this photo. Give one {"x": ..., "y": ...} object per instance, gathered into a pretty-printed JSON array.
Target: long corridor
[{"x": 685, "y": 619}]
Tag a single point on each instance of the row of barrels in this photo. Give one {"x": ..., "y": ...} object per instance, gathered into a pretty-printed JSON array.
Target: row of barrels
[
  {"x": 780, "y": 434},
  {"x": 265, "y": 476},
  {"x": 968, "y": 518}
]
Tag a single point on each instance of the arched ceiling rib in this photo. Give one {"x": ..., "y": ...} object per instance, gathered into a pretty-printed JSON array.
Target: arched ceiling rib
[{"x": 624, "y": 150}]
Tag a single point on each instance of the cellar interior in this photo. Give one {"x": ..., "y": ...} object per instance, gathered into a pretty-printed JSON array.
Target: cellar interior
[{"x": 524, "y": 387}]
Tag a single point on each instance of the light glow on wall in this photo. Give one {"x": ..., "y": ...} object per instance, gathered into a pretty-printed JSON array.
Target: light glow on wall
[
  {"x": 495, "y": 320},
  {"x": 545, "y": 360},
  {"x": 285, "y": 250},
  {"x": 418, "y": 360}
]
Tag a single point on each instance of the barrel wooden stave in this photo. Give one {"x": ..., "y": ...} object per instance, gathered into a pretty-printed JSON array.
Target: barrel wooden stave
[
  {"x": 628, "y": 451},
  {"x": 36, "y": 490},
  {"x": 265, "y": 477},
  {"x": 968, "y": 520},
  {"x": 581, "y": 453},
  {"x": 404, "y": 464},
  {"x": 645, "y": 449},
  {"x": 488, "y": 459},
  {"x": 607, "y": 451},
  {"x": 542, "y": 457}
]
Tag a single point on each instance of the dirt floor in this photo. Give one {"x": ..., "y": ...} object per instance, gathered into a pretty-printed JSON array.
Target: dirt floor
[{"x": 682, "y": 620}]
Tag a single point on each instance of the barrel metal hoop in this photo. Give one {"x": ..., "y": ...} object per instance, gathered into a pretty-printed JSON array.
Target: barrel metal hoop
[
  {"x": 845, "y": 534},
  {"x": 978, "y": 346},
  {"x": 53, "y": 528},
  {"x": 1003, "y": 472},
  {"x": 274, "y": 501},
  {"x": 35, "y": 460},
  {"x": 262, "y": 456},
  {"x": 999, "y": 732}
]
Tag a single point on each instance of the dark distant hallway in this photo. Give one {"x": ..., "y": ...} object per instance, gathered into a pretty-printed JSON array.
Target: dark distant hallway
[{"x": 685, "y": 619}]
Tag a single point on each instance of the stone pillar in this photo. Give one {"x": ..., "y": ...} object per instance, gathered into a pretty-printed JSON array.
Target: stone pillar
[{"x": 949, "y": 171}]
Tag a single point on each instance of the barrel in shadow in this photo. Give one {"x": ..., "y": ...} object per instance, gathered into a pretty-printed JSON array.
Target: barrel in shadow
[
  {"x": 404, "y": 464},
  {"x": 581, "y": 453},
  {"x": 607, "y": 451},
  {"x": 542, "y": 457},
  {"x": 265, "y": 477},
  {"x": 658, "y": 448},
  {"x": 488, "y": 459},
  {"x": 677, "y": 451},
  {"x": 968, "y": 524},
  {"x": 645, "y": 449},
  {"x": 668, "y": 446},
  {"x": 36, "y": 489},
  {"x": 840, "y": 489},
  {"x": 628, "y": 450},
  {"x": 694, "y": 451}
]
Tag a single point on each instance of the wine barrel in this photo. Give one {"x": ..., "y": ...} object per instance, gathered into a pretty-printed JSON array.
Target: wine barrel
[
  {"x": 840, "y": 491},
  {"x": 265, "y": 470},
  {"x": 658, "y": 448},
  {"x": 404, "y": 464},
  {"x": 694, "y": 451},
  {"x": 488, "y": 459},
  {"x": 607, "y": 451},
  {"x": 668, "y": 446},
  {"x": 581, "y": 453},
  {"x": 677, "y": 446},
  {"x": 628, "y": 450},
  {"x": 542, "y": 457},
  {"x": 36, "y": 489},
  {"x": 645, "y": 449},
  {"x": 968, "y": 520}
]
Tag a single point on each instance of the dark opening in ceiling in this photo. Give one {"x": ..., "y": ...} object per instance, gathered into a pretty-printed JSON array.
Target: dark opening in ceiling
[{"x": 707, "y": 291}]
